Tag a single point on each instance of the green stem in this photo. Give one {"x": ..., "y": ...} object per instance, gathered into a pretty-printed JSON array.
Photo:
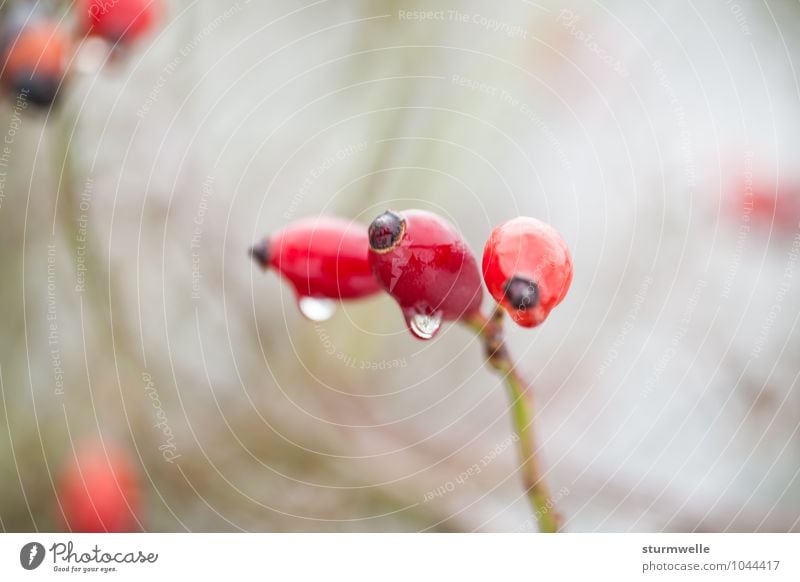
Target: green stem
[{"x": 490, "y": 330}]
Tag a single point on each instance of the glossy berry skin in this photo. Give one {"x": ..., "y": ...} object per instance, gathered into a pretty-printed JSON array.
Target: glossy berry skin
[
  {"x": 527, "y": 268},
  {"x": 99, "y": 491},
  {"x": 422, "y": 261},
  {"x": 116, "y": 21},
  {"x": 35, "y": 58},
  {"x": 323, "y": 257}
]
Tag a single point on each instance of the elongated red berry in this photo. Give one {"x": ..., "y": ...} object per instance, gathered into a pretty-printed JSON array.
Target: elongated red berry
[
  {"x": 120, "y": 21},
  {"x": 322, "y": 258},
  {"x": 422, "y": 261},
  {"x": 99, "y": 491},
  {"x": 35, "y": 59},
  {"x": 527, "y": 267}
]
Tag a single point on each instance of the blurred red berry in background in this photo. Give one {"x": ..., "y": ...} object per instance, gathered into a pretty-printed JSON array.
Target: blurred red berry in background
[
  {"x": 99, "y": 490},
  {"x": 527, "y": 268},
  {"x": 422, "y": 261},
  {"x": 118, "y": 21},
  {"x": 767, "y": 204},
  {"x": 35, "y": 57}
]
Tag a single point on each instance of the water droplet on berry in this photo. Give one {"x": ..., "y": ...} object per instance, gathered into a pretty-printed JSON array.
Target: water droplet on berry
[
  {"x": 317, "y": 309},
  {"x": 424, "y": 326}
]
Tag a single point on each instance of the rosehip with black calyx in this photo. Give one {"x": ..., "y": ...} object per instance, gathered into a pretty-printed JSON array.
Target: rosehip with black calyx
[
  {"x": 99, "y": 491},
  {"x": 770, "y": 204},
  {"x": 527, "y": 268},
  {"x": 422, "y": 261},
  {"x": 323, "y": 259},
  {"x": 118, "y": 21},
  {"x": 35, "y": 58}
]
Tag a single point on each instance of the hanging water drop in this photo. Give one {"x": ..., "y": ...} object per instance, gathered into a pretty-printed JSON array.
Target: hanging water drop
[
  {"x": 424, "y": 326},
  {"x": 317, "y": 309}
]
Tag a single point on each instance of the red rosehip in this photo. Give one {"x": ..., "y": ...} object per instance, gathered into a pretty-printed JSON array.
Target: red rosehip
[
  {"x": 322, "y": 258},
  {"x": 99, "y": 492},
  {"x": 120, "y": 21},
  {"x": 527, "y": 268},
  {"x": 421, "y": 260},
  {"x": 35, "y": 59},
  {"x": 771, "y": 204}
]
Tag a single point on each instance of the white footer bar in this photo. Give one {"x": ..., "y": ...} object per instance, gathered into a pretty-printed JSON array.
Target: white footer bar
[{"x": 406, "y": 557}]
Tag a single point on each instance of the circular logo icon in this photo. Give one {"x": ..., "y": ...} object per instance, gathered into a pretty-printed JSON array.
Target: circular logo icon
[{"x": 31, "y": 555}]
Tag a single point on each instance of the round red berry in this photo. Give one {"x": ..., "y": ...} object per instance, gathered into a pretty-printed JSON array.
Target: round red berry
[
  {"x": 98, "y": 491},
  {"x": 422, "y": 261},
  {"x": 118, "y": 20},
  {"x": 324, "y": 258},
  {"x": 527, "y": 267}
]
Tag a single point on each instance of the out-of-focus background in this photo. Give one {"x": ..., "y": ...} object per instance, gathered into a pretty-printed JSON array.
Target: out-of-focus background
[{"x": 661, "y": 139}]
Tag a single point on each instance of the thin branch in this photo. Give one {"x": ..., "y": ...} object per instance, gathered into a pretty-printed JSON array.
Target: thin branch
[{"x": 490, "y": 330}]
